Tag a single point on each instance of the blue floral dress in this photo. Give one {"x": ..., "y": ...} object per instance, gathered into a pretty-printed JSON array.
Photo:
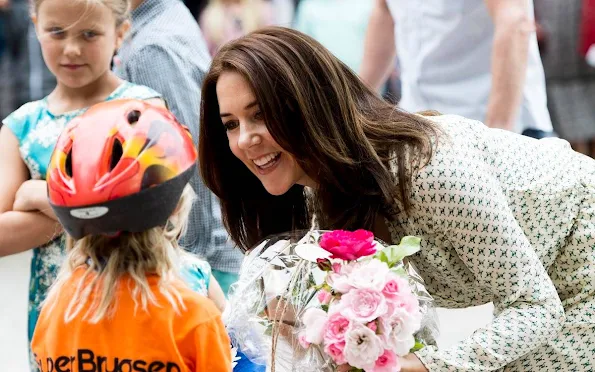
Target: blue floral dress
[{"x": 37, "y": 131}]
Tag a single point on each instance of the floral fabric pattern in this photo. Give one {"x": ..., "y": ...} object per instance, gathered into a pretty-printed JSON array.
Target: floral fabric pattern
[{"x": 507, "y": 219}]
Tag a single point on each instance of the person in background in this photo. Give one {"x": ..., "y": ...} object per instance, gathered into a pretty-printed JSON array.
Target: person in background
[
  {"x": 16, "y": 22},
  {"x": 339, "y": 25},
  {"x": 475, "y": 58},
  {"x": 166, "y": 52},
  {"x": 284, "y": 11},
  {"x": 570, "y": 81},
  {"x": 225, "y": 20},
  {"x": 3, "y": 7},
  {"x": 196, "y": 7}
]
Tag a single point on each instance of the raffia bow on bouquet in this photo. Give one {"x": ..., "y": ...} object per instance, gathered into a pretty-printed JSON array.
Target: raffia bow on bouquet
[{"x": 330, "y": 300}]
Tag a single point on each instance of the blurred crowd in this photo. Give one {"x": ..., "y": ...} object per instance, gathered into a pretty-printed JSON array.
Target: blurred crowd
[{"x": 563, "y": 30}]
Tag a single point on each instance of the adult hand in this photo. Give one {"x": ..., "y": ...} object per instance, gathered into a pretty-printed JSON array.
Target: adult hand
[{"x": 411, "y": 363}]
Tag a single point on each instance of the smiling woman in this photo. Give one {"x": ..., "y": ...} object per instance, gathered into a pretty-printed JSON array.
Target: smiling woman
[
  {"x": 250, "y": 140},
  {"x": 502, "y": 218}
]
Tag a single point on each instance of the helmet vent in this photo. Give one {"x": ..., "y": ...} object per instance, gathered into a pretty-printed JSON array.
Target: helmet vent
[
  {"x": 133, "y": 117},
  {"x": 117, "y": 152},
  {"x": 68, "y": 165},
  {"x": 154, "y": 175}
]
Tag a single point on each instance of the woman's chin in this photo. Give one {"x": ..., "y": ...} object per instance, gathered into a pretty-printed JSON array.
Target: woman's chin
[{"x": 276, "y": 189}]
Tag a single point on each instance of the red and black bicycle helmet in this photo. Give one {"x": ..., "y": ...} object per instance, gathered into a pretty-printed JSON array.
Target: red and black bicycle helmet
[{"x": 121, "y": 166}]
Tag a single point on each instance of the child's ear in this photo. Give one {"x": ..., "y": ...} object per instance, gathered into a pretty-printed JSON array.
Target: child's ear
[
  {"x": 122, "y": 32},
  {"x": 34, "y": 20}
]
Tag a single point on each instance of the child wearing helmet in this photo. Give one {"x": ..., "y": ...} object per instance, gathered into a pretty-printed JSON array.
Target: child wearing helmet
[
  {"x": 117, "y": 181},
  {"x": 78, "y": 39}
]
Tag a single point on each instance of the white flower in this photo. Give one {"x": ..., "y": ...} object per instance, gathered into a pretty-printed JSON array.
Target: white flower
[
  {"x": 314, "y": 320},
  {"x": 341, "y": 281},
  {"x": 362, "y": 347},
  {"x": 370, "y": 274},
  {"x": 398, "y": 330}
]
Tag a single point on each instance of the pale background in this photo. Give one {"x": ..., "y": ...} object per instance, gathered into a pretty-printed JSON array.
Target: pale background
[{"x": 14, "y": 278}]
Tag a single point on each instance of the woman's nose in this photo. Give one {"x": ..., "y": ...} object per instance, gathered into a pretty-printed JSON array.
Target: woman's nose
[{"x": 248, "y": 137}]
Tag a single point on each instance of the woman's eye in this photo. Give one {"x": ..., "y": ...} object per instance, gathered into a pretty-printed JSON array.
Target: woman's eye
[
  {"x": 229, "y": 125},
  {"x": 258, "y": 115}
]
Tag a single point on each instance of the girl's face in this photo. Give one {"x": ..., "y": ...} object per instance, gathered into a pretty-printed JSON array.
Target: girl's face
[
  {"x": 78, "y": 40},
  {"x": 250, "y": 140}
]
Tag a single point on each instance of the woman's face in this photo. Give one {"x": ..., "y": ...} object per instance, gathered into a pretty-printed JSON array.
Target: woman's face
[{"x": 250, "y": 140}]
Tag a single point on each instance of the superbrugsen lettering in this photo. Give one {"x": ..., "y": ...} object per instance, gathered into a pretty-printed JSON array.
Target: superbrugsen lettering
[{"x": 86, "y": 361}]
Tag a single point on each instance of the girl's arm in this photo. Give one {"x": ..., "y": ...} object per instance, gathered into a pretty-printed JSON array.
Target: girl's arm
[
  {"x": 32, "y": 196},
  {"x": 19, "y": 231},
  {"x": 216, "y": 294}
]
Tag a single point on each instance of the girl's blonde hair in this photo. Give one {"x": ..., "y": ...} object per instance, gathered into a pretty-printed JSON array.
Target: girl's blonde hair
[
  {"x": 133, "y": 255},
  {"x": 120, "y": 8}
]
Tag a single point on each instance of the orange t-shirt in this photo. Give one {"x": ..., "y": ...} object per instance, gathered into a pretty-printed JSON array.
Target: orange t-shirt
[{"x": 157, "y": 340}]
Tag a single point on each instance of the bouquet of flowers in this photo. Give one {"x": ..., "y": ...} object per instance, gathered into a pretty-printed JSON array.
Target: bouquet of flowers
[{"x": 330, "y": 300}]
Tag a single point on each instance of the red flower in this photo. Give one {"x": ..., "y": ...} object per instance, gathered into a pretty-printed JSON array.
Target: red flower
[{"x": 347, "y": 245}]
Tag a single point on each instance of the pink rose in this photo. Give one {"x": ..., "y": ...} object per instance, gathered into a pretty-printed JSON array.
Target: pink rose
[
  {"x": 347, "y": 245},
  {"x": 324, "y": 297},
  {"x": 395, "y": 286},
  {"x": 314, "y": 320},
  {"x": 387, "y": 362},
  {"x": 363, "y": 305},
  {"x": 336, "y": 327},
  {"x": 337, "y": 268},
  {"x": 405, "y": 301},
  {"x": 335, "y": 351},
  {"x": 302, "y": 340},
  {"x": 372, "y": 326}
]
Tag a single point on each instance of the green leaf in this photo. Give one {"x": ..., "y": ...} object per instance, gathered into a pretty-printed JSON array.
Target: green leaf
[
  {"x": 383, "y": 257},
  {"x": 409, "y": 245},
  {"x": 400, "y": 271},
  {"x": 418, "y": 346}
]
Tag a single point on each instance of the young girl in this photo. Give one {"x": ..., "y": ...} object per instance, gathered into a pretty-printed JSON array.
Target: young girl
[
  {"x": 118, "y": 183},
  {"x": 503, "y": 218},
  {"x": 78, "y": 39}
]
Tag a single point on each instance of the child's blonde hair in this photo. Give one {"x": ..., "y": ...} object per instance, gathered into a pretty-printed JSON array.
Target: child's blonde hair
[
  {"x": 120, "y": 8},
  {"x": 135, "y": 255}
]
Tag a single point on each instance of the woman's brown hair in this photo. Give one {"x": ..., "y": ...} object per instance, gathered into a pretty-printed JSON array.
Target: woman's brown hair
[{"x": 341, "y": 133}]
